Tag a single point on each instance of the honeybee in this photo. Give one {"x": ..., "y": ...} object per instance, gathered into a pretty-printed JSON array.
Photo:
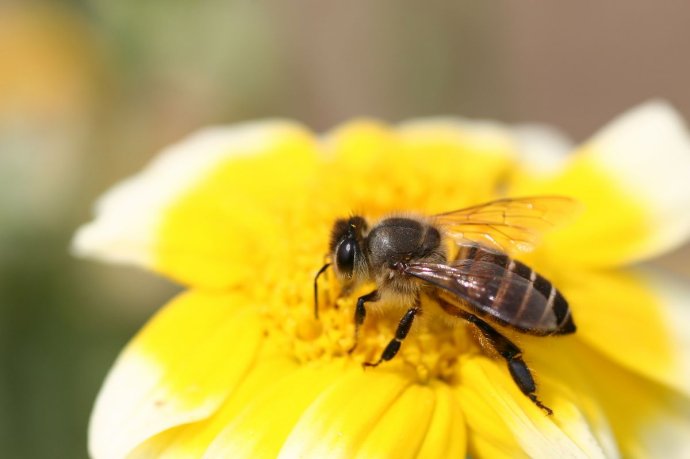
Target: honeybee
[{"x": 460, "y": 260}]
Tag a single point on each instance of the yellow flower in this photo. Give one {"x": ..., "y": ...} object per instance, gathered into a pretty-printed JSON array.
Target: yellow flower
[{"x": 237, "y": 366}]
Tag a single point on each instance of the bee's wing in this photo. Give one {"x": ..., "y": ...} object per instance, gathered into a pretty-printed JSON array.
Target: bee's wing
[
  {"x": 508, "y": 224},
  {"x": 491, "y": 291}
]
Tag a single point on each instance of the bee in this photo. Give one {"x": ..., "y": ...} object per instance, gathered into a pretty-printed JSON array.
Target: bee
[{"x": 460, "y": 260}]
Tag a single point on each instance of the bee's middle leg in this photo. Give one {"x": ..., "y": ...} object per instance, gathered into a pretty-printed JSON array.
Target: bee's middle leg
[{"x": 400, "y": 334}]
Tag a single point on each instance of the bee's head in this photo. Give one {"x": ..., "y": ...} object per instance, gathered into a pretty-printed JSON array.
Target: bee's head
[{"x": 346, "y": 246}]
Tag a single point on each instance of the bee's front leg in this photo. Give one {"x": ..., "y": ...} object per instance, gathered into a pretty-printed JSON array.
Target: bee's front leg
[
  {"x": 316, "y": 289},
  {"x": 400, "y": 334},
  {"x": 361, "y": 313}
]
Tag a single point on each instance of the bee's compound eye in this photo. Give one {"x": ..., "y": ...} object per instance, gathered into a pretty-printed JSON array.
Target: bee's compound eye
[{"x": 345, "y": 257}]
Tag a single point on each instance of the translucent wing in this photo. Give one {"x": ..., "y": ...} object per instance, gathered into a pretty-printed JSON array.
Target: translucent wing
[
  {"x": 508, "y": 224},
  {"x": 496, "y": 293}
]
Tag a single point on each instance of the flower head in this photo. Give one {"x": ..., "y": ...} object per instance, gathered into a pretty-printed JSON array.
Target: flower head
[{"x": 237, "y": 366}]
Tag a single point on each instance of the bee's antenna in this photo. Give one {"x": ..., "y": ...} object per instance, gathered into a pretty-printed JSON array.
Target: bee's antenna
[{"x": 316, "y": 289}]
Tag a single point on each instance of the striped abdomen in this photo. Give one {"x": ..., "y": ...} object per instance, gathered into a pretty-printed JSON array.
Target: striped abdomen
[{"x": 511, "y": 293}]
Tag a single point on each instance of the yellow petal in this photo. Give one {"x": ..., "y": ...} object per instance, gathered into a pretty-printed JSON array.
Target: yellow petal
[
  {"x": 630, "y": 415},
  {"x": 172, "y": 373},
  {"x": 270, "y": 370},
  {"x": 239, "y": 226},
  {"x": 256, "y": 421},
  {"x": 478, "y": 156},
  {"x": 648, "y": 419},
  {"x": 422, "y": 165},
  {"x": 488, "y": 434},
  {"x": 505, "y": 413},
  {"x": 446, "y": 435},
  {"x": 233, "y": 226},
  {"x": 129, "y": 216},
  {"x": 370, "y": 413},
  {"x": 483, "y": 448},
  {"x": 217, "y": 209},
  {"x": 638, "y": 318},
  {"x": 263, "y": 423},
  {"x": 632, "y": 180},
  {"x": 423, "y": 422},
  {"x": 337, "y": 423}
]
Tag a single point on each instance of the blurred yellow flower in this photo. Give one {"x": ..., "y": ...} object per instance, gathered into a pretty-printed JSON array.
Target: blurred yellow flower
[
  {"x": 237, "y": 366},
  {"x": 49, "y": 62}
]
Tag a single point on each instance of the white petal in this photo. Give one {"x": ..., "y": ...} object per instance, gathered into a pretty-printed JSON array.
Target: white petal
[
  {"x": 170, "y": 374},
  {"x": 668, "y": 434},
  {"x": 649, "y": 420},
  {"x": 649, "y": 150},
  {"x": 632, "y": 180},
  {"x": 538, "y": 148},
  {"x": 637, "y": 318},
  {"x": 492, "y": 403},
  {"x": 543, "y": 149},
  {"x": 674, "y": 295}
]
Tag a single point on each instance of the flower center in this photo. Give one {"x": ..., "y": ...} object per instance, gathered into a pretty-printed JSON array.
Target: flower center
[{"x": 430, "y": 351}]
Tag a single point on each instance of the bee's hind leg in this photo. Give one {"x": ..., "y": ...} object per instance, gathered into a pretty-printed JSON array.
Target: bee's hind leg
[
  {"x": 513, "y": 357},
  {"x": 400, "y": 334}
]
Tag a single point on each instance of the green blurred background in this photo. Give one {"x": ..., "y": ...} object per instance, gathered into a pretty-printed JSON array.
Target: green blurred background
[{"x": 91, "y": 89}]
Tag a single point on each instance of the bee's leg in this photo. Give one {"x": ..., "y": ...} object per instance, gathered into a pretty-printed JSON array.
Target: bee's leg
[
  {"x": 513, "y": 356},
  {"x": 505, "y": 348},
  {"x": 400, "y": 334},
  {"x": 316, "y": 289},
  {"x": 361, "y": 313}
]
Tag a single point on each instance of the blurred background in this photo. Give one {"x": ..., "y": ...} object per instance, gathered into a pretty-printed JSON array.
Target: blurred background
[{"x": 91, "y": 89}]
